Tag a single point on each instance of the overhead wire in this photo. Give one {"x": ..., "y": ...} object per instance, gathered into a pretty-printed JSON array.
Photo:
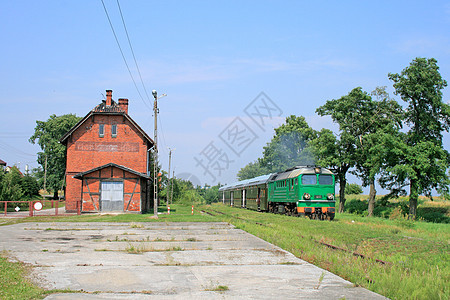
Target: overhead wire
[
  {"x": 132, "y": 51},
  {"x": 17, "y": 151},
  {"x": 123, "y": 56}
]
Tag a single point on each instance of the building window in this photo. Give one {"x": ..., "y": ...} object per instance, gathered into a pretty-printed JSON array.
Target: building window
[
  {"x": 101, "y": 130},
  {"x": 114, "y": 130}
]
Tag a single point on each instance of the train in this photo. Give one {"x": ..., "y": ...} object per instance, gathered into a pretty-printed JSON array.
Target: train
[{"x": 299, "y": 191}]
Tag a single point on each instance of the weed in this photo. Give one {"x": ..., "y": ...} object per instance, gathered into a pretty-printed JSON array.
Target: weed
[
  {"x": 132, "y": 249},
  {"x": 191, "y": 239},
  {"x": 219, "y": 288},
  {"x": 135, "y": 225},
  {"x": 175, "y": 248},
  {"x": 320, "y": 280}
]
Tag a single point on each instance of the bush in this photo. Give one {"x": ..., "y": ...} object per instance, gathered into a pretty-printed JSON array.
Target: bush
[
  {"x": 383, "y": 211},
  {"x": 433, "y": 214},
  {"x": 29, "y": 186},
  {"x": 356, "y": 206}
]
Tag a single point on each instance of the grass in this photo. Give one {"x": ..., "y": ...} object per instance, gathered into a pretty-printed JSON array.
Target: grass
[
  {"x": 13, "y": 282},
  {"x": 416, "y": 255}
]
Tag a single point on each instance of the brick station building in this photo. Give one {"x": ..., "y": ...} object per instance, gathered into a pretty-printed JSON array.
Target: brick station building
[{"x": 107, "y": 161}]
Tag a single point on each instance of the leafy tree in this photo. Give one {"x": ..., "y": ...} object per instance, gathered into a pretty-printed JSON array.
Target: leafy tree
[
  {"x": 421, "y": 160},
  {"x": 29, "y": 186},
  {"x": 353, "y": 189},
  {"x": 47, "y": 135},
  {"x": 380, "y": 119},
  {"x": 253, "y": 169},
  {"x": 10, "y": 185},
  {"x": 337, "y": 155},
  {"x": 362, "y": 123},
  {"x": 289, "y": 147},
  {"x": 212, "y": 194},
  {"x": 340, "y": 154}
]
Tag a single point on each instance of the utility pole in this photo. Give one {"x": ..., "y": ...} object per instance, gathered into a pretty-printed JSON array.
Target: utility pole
[
  {"x": 155, "y": 153},
  {"x": 170, "y": 158},
  {"x": 171, "y": 196},
  {"x": 155, "y": 161},
  {"x": 45, "y": 176}
]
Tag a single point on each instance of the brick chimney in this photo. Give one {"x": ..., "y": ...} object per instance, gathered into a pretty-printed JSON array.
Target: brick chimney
[
  {"x": 108, "y": 97},
  {"x": 123, "y": 104}
]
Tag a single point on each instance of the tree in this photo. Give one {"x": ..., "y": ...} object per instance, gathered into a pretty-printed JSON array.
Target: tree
[
  {"x": 362, "y": 123},
  {"x": 422, "y": 162},
  {"x": 29, "y": 186},
  {"x": 349, "y": 113},
  {"x": 337, "y": 155},
  {"x": 10, "y": 185},
  {"x": 382, "y": 117},
  {"x": 253, "y": 169},
  {"x": 52, "y": 158},
  {"x": 353, "y": 189},
  {"x": 290, "y": 146}
]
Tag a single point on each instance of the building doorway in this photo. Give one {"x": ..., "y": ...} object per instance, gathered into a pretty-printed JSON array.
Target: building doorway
[{"x": 111, "y": 196}]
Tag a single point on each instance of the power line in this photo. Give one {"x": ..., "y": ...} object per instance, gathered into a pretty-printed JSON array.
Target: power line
[
  {"x": 16, "y": 151},
  {"x": 123, "y": 56},
  {"x": 132, "y": 51}
]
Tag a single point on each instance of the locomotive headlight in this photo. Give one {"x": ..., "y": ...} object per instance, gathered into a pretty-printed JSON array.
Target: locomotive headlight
[
  {"x": 306, "y": 196},
  {"x": 330, "y": 196}
]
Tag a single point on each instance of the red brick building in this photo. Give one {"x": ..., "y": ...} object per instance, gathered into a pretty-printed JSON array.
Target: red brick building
[{"x": 107, "y": 156}]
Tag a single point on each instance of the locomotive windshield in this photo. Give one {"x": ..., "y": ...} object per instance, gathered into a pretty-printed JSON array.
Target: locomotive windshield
[
  {"x": 325, "y": 179},
  {"x": 312, "y": 179},
  {"x": 309, "y": 179}
]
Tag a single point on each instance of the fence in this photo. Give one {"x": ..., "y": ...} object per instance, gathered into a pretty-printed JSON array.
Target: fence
[{"x": 33, "y": 206}]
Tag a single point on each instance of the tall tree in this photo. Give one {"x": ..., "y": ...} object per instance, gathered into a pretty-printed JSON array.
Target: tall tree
[
  {"x": 289, "y": 146},
  {"x": 423, "y": 162},
  {"x": 350, "y": 113},
  {"x": 380, "y": 118},
  {"x": 362, "y": 124},
  {"x": 336, "y": 154},
  {"x": 47, "y": 135}
]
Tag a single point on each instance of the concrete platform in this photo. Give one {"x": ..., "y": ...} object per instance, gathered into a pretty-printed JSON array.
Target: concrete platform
[{"x": 167, "y": 261}]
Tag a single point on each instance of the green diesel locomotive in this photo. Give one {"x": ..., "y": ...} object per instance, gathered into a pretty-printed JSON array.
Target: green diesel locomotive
[{"x": 299, "y": 191}]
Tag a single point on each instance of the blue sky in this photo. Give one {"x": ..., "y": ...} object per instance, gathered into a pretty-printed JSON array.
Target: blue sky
[{"x": 212, "y": 59}]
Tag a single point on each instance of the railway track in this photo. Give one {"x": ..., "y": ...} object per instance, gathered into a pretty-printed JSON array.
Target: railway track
[{"x": 330, "y": 246}]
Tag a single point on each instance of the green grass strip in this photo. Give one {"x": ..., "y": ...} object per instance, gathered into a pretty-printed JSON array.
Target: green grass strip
[{"x": 14, "y": 283}]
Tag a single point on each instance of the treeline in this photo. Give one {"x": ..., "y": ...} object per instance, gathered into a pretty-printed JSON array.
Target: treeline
[
  {"x": 379, "y": 139},
  {"x": 177, "y": 190}
]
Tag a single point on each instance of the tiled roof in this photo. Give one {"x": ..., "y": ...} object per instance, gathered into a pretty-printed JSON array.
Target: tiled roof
[
  {"x": 2, "y": 163},
  {"x": 102, "y": 108},
  {"x": 114, "y": 108}
]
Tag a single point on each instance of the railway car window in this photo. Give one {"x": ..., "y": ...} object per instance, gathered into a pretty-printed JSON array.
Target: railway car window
[
  {"x": 325, "y": 179},
  {"x": 309, "y": 179},
  {"x": 296, "y": 181}
]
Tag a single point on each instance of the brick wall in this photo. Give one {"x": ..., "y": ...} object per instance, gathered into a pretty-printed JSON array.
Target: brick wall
[
  {"x": 87, "y": 150},
  {"x": 91, "y": 186}
]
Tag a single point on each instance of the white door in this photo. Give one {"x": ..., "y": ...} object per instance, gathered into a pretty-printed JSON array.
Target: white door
[{"x": 112, "y": 196}]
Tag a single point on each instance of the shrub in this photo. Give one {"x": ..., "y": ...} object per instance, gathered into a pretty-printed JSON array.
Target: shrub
[
  {"x": 433, "y": 214},
  {"x": 397, "y": 214},
  {"x": 356, "y": 206}
]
